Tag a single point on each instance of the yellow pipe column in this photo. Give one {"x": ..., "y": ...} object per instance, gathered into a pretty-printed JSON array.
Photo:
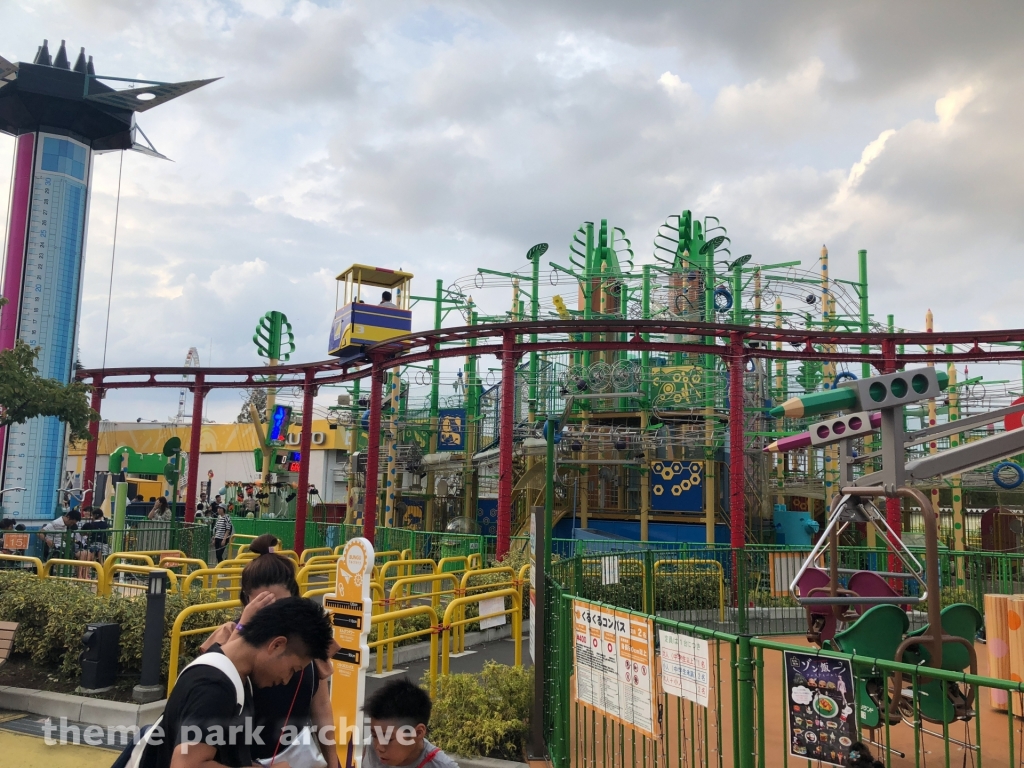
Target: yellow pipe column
[
  {"x": 645, "y": 487},
  {"x": 584, "y": 481},
  {"x": 933, "y": 446},
  {"x": 831, "y": 453},
  {"x": 780, "y": 392},
  {"x": 956, "y": 483},
  {"x": 391, "y": 471},
  {"x": 354, "y": 427}
]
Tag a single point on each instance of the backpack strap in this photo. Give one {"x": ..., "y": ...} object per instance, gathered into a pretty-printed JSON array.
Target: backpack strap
[
  {"x": 222, "y": 663},
  {"x": 219, "y": 662}
]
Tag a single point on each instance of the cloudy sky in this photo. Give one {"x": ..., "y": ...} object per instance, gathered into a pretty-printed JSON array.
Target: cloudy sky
[{"x": 442, "y": 137}]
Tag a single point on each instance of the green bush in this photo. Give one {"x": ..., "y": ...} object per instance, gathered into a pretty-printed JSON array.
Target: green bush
[
  {"x": 763, "y": 598},
  {"x": 627, "y": 593},
  {"x": 484, "y": 715},
  {"x": 949, "y": 596},
  {"x": 691, "y": 590},
  {"x": 52, "y": 615},
  {"x": 514, "y": 558}
]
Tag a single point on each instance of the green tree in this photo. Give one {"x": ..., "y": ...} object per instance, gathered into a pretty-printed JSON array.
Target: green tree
[
  {"x": 24, "y": 394},
  {"x": 257, "y": 397}
]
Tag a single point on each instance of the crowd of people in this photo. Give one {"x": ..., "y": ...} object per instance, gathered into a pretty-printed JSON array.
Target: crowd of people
[
  {"x": 89, "y": 540},
  {"x": 79, "y": 532}
]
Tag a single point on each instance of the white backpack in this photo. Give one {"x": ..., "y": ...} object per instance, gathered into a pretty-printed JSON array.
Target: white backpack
[{"x": 216, "y": 660}]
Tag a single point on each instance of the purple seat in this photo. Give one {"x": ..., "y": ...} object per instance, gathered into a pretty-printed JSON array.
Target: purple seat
[
  {"x": 821, "y": 620},
  {"x": 870, "y": 584}
]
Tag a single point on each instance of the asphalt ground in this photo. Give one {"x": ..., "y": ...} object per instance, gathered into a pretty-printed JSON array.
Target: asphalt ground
[{"x": 501, "y": 651}]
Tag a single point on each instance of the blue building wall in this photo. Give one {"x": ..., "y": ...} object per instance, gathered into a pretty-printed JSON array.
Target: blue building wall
[
  {"x": 48, "y": 316},
  {"x": 662, "y": 532}
]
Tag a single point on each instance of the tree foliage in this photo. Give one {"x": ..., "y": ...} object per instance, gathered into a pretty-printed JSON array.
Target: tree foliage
[
  {"x": 257, "y": 397},
  {"x": 24, "y": 394}
]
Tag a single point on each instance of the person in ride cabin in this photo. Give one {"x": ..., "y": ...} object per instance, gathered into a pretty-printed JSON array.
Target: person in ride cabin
[
  {"x": 385, "y": 300},
  {"x": 399, "y": 715}
]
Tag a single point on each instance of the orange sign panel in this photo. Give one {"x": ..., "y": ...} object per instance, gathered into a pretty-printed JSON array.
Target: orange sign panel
[
  {"x": 16, "y": 540},
  {"x": 350, "y": 607}
]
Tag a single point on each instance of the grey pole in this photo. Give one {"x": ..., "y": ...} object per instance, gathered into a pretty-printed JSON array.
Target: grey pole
[{"x": 149, "y": 688}]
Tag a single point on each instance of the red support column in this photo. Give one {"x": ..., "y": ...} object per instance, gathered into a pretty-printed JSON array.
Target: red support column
[
  {"x": 305, "y": 443},
  {"x": 373, "y": 452},
  {"x": 737, "y": 503},
  {"x": 506, "y": 433},
  {"x": 192, "y": 491},
  {"x": 89, "y": 473}
]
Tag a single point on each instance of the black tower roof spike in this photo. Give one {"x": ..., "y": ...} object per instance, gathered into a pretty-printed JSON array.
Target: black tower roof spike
[
  {"x": 61, "y": 59},
  {"x": 41, "y": 94},
  {"x": 43, "y": 55}
]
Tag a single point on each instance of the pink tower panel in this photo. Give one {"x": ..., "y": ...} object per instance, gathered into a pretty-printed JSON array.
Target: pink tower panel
[{"x": 21, "y": 197}]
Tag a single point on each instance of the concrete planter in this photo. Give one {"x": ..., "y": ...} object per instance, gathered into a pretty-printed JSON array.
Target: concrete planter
[{"x": 79, "y": 709}]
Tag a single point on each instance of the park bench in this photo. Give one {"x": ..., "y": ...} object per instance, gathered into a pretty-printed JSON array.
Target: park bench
[{"x": 7, "y": 630}]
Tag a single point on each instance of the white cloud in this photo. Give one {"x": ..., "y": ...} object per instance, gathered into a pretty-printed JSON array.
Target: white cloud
[
  {"x": 443, "y": 139},
  {"x": 234, "y": 282},
  {"x": 787, "y": 104},
  {"x": 950, "y": 105},
  {"x": 871, "y": 152}
]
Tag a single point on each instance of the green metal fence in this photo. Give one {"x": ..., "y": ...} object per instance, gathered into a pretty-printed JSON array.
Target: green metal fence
[
  {"x": 139, "y": 535},
  {"x": 746, "y": 721},
  {"x": 681, "y": 583}
]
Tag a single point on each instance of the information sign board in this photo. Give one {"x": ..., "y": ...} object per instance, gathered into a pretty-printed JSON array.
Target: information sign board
[
  {"x": 685, "y": 666},
  {"x": 614, "y": 660}
]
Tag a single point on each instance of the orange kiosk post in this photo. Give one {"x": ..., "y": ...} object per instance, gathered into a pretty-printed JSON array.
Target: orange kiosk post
[{"x": 350, "y": 607}]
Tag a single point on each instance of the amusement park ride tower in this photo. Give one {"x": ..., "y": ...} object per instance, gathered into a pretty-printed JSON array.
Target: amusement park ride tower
[{"x": 61, "y": 115}]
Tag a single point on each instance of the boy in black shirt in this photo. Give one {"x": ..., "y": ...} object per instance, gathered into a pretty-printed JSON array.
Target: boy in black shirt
[
  {"x": 203, "y": 725},
  {"x": 96, "y": 544}
]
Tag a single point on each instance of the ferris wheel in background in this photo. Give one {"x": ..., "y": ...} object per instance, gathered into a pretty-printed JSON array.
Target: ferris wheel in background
[{"x": 191, "y": 361}]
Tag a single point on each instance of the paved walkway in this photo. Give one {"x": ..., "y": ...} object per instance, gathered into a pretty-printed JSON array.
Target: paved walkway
[
  {"x": 501, "y": 651},
  {"x": 25, "y": 751}
]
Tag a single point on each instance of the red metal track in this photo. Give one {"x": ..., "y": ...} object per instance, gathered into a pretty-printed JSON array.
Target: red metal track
[
  {"x": 511, "y": 341},
  {"x": 418, "y": 347}
]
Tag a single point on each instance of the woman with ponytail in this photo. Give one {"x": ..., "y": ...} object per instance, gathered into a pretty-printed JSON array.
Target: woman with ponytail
[{"x": 305, "y": 700}]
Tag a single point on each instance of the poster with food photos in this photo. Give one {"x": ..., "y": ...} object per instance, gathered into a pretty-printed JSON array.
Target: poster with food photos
[{"x": 820, "y": 700}]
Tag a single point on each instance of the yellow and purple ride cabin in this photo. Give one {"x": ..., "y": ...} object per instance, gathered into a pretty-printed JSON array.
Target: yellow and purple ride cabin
[{"x": 366, "y": 316}]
